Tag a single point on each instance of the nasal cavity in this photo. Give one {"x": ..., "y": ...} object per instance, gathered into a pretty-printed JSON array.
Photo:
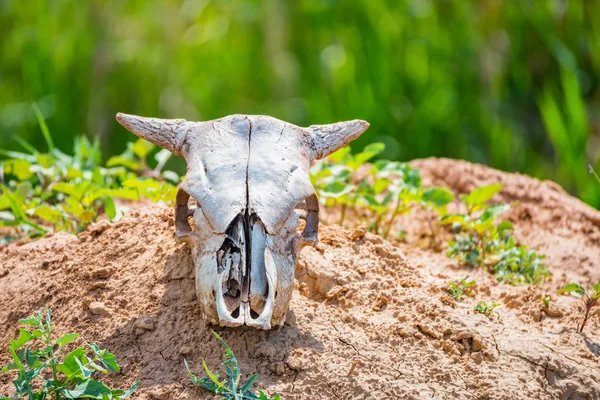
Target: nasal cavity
[
  {"x": 231, "y": 262},
  {"x": 242, "y": 259}
]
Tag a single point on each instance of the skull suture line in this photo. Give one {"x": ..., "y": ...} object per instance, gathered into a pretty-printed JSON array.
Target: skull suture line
[{"x": 249, "y": 177}]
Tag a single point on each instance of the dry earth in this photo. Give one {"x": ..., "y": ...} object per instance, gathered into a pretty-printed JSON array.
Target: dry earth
[{"x": 359, "y": 301}]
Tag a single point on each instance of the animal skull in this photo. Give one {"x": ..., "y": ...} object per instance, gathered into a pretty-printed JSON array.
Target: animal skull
[{"x": 249, "y": 177}]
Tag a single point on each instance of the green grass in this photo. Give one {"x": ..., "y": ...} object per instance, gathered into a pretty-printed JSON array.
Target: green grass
[{"x": 511, "y": 85}]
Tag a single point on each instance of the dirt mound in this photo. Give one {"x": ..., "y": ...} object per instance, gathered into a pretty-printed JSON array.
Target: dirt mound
[{"x": 359, "y": 301}]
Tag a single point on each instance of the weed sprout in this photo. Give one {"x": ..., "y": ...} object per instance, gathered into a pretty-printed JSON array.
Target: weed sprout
[
  {"x": 480, "y": 241},
  {"x": 458, "y": 290},
  {"x": 486, "y": 309},
  {"x": 589, "y": 298},
  {"x": 231, "y": 387}
]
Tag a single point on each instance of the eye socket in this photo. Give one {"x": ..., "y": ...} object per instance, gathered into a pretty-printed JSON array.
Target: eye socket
[
  {"x": 182, "y": 225},
  {"x": 310, "y": 206}
]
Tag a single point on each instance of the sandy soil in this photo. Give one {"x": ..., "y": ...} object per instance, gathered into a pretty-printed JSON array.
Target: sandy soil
[{"x": 359, "y": 300}]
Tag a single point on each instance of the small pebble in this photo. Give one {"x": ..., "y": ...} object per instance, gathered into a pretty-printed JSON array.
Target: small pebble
[
  {"x": 145, "y": 323},
  {"x": 98, "y": 308}
]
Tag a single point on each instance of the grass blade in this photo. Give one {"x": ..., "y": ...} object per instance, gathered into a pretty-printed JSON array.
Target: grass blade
[
  {"x": 25, "y": 144},
  {"x": 43, "y": 126}
]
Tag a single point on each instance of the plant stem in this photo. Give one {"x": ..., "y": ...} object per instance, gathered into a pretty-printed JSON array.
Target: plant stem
[
  {"x": 483, "y": 250},
  {"x": 431, "y": 227},
  {"x": 376, "y": 224},
  {"x": 589, "y": 303},
  {"x": 585, "y": 318},
  {"x": 332, "y": 207},
  {"x": 49, "y": 346},
  {"x": 344, "y": 206},
  {"x": 389, "y": 225}
]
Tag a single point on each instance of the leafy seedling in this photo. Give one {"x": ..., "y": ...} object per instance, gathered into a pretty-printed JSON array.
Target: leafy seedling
[
  {"x": 478, "y": 198},
  {"x": 589, "y": 298},
  {"x": 385, "y": 191},
  {"x": 546, "y": 301},
  {"x": 486, "y": 309},
  {"x": 333, "y": 178},
  {"x": 231, "y": 387},
  {"x": 476, "y": 230},
  {"x": 44, "y": 372},
  {"x": 481, "y": 241},
  {"x": 373, "y": 199},
  {"x": 458, "y": 290},
  {"x": 518, "y": 265},
  {"x": 405, "y": 183}
]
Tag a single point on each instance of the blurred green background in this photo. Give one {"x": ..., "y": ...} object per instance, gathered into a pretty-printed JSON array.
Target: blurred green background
[{"x": 512, "y": 84}]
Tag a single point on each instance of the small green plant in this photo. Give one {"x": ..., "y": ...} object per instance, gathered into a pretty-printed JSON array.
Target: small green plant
[
  {"x": 477, "y": 233},
  {"x": 334, "y": 177},
  {"x": 480, "y": 241},
  {"x": 377, "y": 193},
  {"x": 404, "y": 188},
  {"x": 546, "y": 301},
  {"x": 486, "y": 309},
  {"x": 589, "y": 298},
  {"x": 52, "y": 190},
  {"x": 44, "y": 373},
  {"x": 458, "y": 290},
  {"x": 230, "y": 388},
  {"x": 517, "y": 265}
]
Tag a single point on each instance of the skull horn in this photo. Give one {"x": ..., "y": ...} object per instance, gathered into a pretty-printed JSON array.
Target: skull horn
[
  {"x": 169, "y": 134},
  {"x": 331, "y": 137}
]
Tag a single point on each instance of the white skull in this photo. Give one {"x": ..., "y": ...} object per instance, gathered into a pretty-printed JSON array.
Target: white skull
[{"x": 249, "y": 176}]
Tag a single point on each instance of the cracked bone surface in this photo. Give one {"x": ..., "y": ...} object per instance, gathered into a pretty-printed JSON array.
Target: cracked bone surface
[{"x": 248, "y": 180}]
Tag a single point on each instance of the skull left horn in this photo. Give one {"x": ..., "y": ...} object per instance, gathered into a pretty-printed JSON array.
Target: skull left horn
[{"x": 249, "y": 179}]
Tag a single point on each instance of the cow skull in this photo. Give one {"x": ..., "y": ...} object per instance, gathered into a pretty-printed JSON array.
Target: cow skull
[{"x": 249, "y": 178}]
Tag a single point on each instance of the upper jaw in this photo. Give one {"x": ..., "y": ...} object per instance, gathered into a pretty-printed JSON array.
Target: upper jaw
[
  {"x": 244, "y": 314},
  {"x": 246, "y": 283}
]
